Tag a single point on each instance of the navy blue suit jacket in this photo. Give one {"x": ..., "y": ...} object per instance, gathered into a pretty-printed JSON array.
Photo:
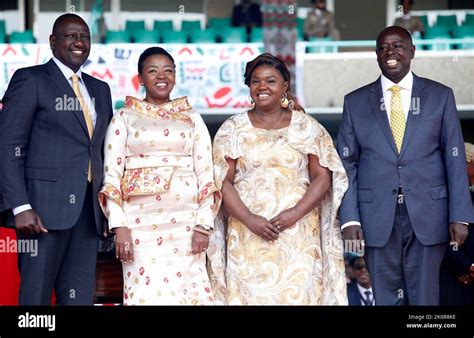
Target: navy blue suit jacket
[
  {"x": 46, "y": 147},
  {"x": 431, "y": 166}
]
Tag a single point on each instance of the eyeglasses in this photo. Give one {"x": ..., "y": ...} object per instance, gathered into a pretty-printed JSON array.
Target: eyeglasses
[{"x": 359, "y": 267}]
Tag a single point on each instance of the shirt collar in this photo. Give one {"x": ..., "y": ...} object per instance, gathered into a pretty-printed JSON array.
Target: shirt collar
[
  {"x": 406, "y": 83},
  {"x": 362, "y": 289},
  {"x": 67, "y": 72}
]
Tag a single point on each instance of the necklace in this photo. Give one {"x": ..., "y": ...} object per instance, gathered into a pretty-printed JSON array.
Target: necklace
[{"x": 263, "y": 124}]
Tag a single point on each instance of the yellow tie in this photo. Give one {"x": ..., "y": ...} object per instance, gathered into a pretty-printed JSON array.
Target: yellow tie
[
  {"x": 87, "y": 115},
  {"x": 397, "y": 116}
]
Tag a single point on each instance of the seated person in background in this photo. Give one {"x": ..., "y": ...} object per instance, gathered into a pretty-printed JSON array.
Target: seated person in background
[
  {"x": 411, "y": 23},
  {"x": 247, "y": 14},
  {"x": 359, "y": 293},
  {"x": 320, "y": 22}
]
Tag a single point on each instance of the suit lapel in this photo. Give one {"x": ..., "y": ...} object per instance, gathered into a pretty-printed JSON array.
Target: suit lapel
[
  {"x": 417, "y": 100},
  {"x": 62, "y": 86},
  {"x": 376, "y": 103}
]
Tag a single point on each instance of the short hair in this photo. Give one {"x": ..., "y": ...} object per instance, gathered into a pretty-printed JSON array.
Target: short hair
[
  {"x": 267, "y": 59},
  {"x": 411, "y": 2},
  {"x": 64, "y": 17},
  {"x": 400, "y": 30},
  {"x": 149, "y": 52}
]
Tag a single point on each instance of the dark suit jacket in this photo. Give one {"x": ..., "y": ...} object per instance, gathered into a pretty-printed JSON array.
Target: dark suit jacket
[
  {"x": 353, "y": 294},
  {"x": 46, "y": 148},
  {"x": 431, "y": 167}
]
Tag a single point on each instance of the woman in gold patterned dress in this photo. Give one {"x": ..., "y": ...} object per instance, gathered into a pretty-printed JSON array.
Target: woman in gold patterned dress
[
  {"x": 159, "y": 193},
  {"x": 282, "y": 183}
]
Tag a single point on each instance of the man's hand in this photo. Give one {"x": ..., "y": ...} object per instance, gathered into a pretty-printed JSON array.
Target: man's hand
[
  {"x": 353, "y": 238},
  {"x": 28, "y": 223},
  {"x": 458, "y": 233}
]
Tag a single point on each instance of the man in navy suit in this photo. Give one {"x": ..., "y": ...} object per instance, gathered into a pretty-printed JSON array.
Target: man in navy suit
[
  {"x": 359, "y": 292},
  {"x": 408, "y": 196},
  {"x": 52, "y": 167}
]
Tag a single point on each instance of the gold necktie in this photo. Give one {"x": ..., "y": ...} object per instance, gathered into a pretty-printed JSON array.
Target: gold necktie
[
  {"x": 397, "y": 116},
  {"x": 87, "y": 115}
]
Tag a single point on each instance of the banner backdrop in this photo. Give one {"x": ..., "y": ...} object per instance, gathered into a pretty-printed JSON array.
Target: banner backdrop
[{"x": 211, "y": 75}]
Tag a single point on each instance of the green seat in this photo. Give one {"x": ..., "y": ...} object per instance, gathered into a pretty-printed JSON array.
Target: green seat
[
  {"x": 448, "y": 21},
  {"x": 437, "y": 32},
  {"x": 464, "y": 32},
  {"x": 321, "y": 49},
  {"x": 145, "y": 36},
  {"x": 424, "y": 21},
  {"x": 165, "y": 25},
  {"x": 469, "y": 20},
  {"x": 256, "y": 35},
  {"x": 174, "y": 36},
  {"x": 117, "y": 37},
  {"x": 3, "y": 27},
  {"x": 205, "y": 36},
  {"x": 234, "y": 35},
  {"x": 133, "y": 26},
  {"x": 190, "y": 25},
  {"x": 219, "y": 23},
  {"x": 22, "y": 37}
]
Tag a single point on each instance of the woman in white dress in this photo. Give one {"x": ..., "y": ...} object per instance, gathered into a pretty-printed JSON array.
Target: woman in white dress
[{"x": 159, "y": 193}]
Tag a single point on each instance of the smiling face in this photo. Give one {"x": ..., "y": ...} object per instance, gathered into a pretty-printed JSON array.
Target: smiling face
[
  {"x": 158, "y": 77},
  {"x": 394, "y": 53},
  {"x": 70, "y": 42},
  {"x": 267, "y": 87}
]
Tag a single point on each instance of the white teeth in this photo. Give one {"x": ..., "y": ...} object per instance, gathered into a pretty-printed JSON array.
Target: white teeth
[
  {"x": 392, "y": 62},
  {"x": 77, "y": 52},
  {"x": 263, "y": 95},
  {"x": 161, "y": 85}
]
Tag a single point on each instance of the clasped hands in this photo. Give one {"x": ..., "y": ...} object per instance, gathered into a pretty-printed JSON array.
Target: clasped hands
[{"x": 269, "y": 230}]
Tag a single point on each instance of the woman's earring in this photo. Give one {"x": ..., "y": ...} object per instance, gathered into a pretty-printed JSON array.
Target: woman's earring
[
  {"x": 284, "y": 102},
  {"x": 252, "y": 103}
]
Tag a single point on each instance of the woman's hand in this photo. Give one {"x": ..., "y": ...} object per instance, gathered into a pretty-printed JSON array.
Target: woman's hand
[
  {"x": 261, "y": 227},
  {"x": 285, "y": 219},
  {"x": 199, "y": 242},
  {"x": 123, "y": 244}
]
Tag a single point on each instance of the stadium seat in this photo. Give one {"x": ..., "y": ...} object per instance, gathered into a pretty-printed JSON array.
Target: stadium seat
[
  {"x": 190, "y": 25},
  {"x": 438, "y": 32},
  {"x": 464, "y": 32},
  {"x": 469, "y": 20},
  {"x": 165, "y": 25},
  {"x": 219, "y": 23},
  {"x": 424, "y": 21},
  {"x": 256, "y": 35},
  {"x": 205, "y": 36},
  {"x": 234, "y": 35},
  {"x": 119, "y": 104},
  {"x": 132, "y": 26},
  {"x": 117, "y": 37},
  {"x": 174, "y": 36},
  {"x": 22, "y": 37},
  {"x": 145, "y": 36},
  {"x": 2, "y": 37},
  {"x": 448, "y": 21},
  {"x": 3, "y": 28}
]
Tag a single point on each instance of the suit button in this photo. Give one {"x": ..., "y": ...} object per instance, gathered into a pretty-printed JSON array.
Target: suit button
[{"x": 400, "y": 167}]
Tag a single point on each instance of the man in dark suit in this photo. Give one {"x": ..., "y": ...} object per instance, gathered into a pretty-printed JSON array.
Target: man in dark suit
[
  {"x": 401, "y": 144},
  {"x": 359, "y": 292},
  {"x": 53, "y": 126}
]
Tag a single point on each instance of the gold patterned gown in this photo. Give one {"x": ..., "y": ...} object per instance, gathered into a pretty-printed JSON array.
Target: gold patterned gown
[
  {"x": 305, "y": 265},
  {"x": 159, "y": 183}
]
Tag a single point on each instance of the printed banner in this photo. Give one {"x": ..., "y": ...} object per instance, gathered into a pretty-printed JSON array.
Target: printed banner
[{"x": 211, "y": 75}]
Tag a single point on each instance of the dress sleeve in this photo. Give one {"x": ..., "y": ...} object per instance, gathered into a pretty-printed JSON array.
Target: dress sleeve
[
  {"x": 209, "y": 196},
  {"x": 110, "y": 196},
  {"x": 224, "y": 146}
]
